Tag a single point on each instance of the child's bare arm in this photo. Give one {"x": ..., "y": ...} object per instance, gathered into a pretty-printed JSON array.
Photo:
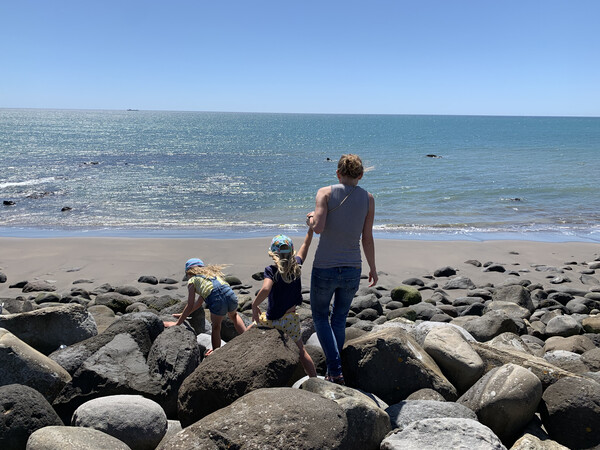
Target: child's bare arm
[
  {"x": 191, "y": 306},
  {"x": 260, "y": 297},
  {"x": 305, "y": 245}
]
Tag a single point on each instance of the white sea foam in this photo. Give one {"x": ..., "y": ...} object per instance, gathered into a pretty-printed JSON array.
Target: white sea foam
[{"x": 35, "y": 181}]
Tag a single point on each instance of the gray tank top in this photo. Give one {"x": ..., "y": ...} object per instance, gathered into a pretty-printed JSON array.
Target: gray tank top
[{"x": 339, "y": 243}]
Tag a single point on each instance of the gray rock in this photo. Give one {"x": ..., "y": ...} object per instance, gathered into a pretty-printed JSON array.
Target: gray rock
[
  {"x": 514, "y": 294},
  {"x": 48, "y": 328},
  {"x": 23, "y": 410},
  {"x": 38, "y": 286},
  {"x": 366, "y": 302},
  {"x": 138, "y": 422},
  {"x": 490, "y": 325},
  {"x": 368, "y": 424},
  {"x": 274, "y": 418},
  {"x": 73, "y": 438},
  {"x": 21, "y": 364},
  {"x": 115, "y": 301},
  {"x": 426, "y": 394},
  {"x": 433, "y": 434},
  {"x": 406, "y": 412},
  {"x": 149, "y": 279},
  {"x": 407, "y": 295},
  {"x": 421, "y": 331},
  {"x": 507, "y": 388},
  {"x": 569, "y": 361},
  {"x": 174, "y": 355},
  {"x": 576, "y": 344},
  {"x": 510, "y": 341},
  {"x": 459, "y": 283},
  {"x": 229, "y": 373},
  {"x": 392, "y": 351},
  {"x": 564, "y": 326},
  {"x": 103, "y": 316},
  {"x": 453, "y": 354},
  {"x": 571, "y": 411},
  {"x": 130, "y": 291},
  {"x": 511, "y": 309},
  {"x": 3, "y": 277},
  {"x": 446, "y": 271}
]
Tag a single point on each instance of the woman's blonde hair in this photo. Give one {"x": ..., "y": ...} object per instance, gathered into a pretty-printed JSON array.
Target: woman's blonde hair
[
  {"x": 210, "y": 271},
  {"x": 287, "y": 266},
  {"x": 350, "y": 166}
]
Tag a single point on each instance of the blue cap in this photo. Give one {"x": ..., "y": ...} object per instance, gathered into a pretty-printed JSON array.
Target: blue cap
[
  {"x": 194, "y": 262},
  {"x": 282, "y": 244}
]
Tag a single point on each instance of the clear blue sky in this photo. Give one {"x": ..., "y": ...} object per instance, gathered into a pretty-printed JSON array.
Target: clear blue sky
[{"x": 500, "y": 57}]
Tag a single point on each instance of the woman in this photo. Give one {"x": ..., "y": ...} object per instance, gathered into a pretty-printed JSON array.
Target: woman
[{"x": 343, "y": 213}]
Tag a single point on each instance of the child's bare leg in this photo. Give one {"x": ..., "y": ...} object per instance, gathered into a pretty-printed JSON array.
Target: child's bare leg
[
  {"x": 215, "y": 336},
  {"x": 238, "y": 323},
  {"x": 307, "y": 363}
]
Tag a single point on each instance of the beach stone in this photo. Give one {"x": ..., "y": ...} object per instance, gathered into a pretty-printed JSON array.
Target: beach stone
[
  {"x": 407, "y": 313},
  {"x": 459, "y": 283},
  {"x": 368, "y": 424},
  {"x": 48, "y": 328},
  {"x": 532, "y": 442},
  {"x": 407, "y": 295},
  {"x": 594, "y": 265},
  {"x": 114, "y": 300},
  {"x": 48, "y": 297},
  {"x": 490, "y": 325},
  {"x": 413, "y": 282},
  {"x": 512, "y": 310},
  {"x": 425, "y": 311},
  {"x": 453, "y": 354},
  {"x": 3, "y": 277},
  {"x": 426, "y": 394},
  {"x": 473, "y": 262},
  {"x": 23, "y": 410},
  {"x": 420, "y": 331},
  {"x": 570, "y": 412},
  {"x": 282, "y": 417},
  {"x": 506, "y": 388},
  {"x": 366, "y": 302},
  {"x": 510, "y": 341},
  {"x": 446, "y": 271},
  {"x": 149, "y": 279},
  {"x": 591, "y": 359},
  {"x": 130, "y": 291},
  {"x": 564, "y": 326},
  {"x": 408, "y": 411},
  {"x": 514, "y": 294},
  {"x": 229, "y": 373},
  {"x": 158, "y": 303},
  {"x": 591, "y": 324},
  {"x": 137, "y": 421},
  {"x": 22, "y": 364},
  {"x": 495, "y": 268},
  {"x": 72, "y": 438},
  {"x": 443, "y": 433},
  {"x": 103, "y": 316},
  {"x": 569, "y": 361},
  {"x": 38, "y": 286},
  {"x": 589, "y": 280},
  {"x": 174, "y": 355},
  {"x": 394, "y": 352},
  {"x": 576, "y": 344},
  {"x": 119, "y": 367},
  {"x": 167, "y": 281}
]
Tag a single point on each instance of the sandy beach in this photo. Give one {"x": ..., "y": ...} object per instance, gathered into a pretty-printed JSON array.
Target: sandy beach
[{"x": 121, "y": 261}]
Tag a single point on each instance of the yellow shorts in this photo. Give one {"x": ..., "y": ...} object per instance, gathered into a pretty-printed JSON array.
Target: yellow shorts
[{"x": 289, "y": 324}]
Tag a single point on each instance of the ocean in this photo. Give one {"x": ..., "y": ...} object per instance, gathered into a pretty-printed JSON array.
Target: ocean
[{"x": 224, "y": 175}]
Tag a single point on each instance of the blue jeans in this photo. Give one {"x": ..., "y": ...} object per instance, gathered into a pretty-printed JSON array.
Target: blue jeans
[{"x": 341, "y": 283}]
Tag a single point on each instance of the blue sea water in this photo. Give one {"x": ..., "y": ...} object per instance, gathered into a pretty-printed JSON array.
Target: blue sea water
[{"x": 204, "y": 174}]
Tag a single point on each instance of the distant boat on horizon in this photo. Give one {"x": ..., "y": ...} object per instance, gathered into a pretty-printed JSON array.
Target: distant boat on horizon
[{"x": 129, "y": 109}]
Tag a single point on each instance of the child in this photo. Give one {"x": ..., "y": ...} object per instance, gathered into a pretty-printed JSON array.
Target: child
[
  {"x": 208, "y": 283},
  {"x": 283, "y": 287}
]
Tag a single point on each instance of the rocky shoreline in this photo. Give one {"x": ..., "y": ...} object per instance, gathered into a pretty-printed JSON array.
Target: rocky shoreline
[{"x": 439, "y": 359}]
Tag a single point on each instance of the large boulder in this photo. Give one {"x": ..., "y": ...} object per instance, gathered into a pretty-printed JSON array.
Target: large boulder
[
  {"x": 143, "y": 328},
  {"x": 368, "y": 424},
  {"x": 275, "y": 418},
  {"x": 22, "y": 364},
  {"x": 507, "y": 388},
  {"x": 514, "y": 294},
  {"x": 390, "y": 364},
  {"x": 48, "y": 328},
  {"x": 133, "y": 419},
  {"x": 22, "y": 411},
  {"x": 443, "y": 433},
  {"x": 408, "y": 411},
  {"x": 117, "y": 368},
  {"x": 571, "y": 412},
  {"x": 174, "y": 355},
  {"x": 258, "y": 358},
  {"x": 73, "y": 438},
  {"x": 490, "y": 325},
  {"x": 564, "y": 326},
  {"x": 455, "y": 356}
]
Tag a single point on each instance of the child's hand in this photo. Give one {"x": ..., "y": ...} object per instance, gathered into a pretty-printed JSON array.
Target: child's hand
[
  {"x": 255, "y": 315},
  {"x": 169, "y": 324}
]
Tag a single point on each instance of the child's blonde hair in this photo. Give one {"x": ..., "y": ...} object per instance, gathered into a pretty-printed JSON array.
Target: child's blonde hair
[
  {"x": 210, "y": 271},
  {"x": 287, "y": 266}
]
